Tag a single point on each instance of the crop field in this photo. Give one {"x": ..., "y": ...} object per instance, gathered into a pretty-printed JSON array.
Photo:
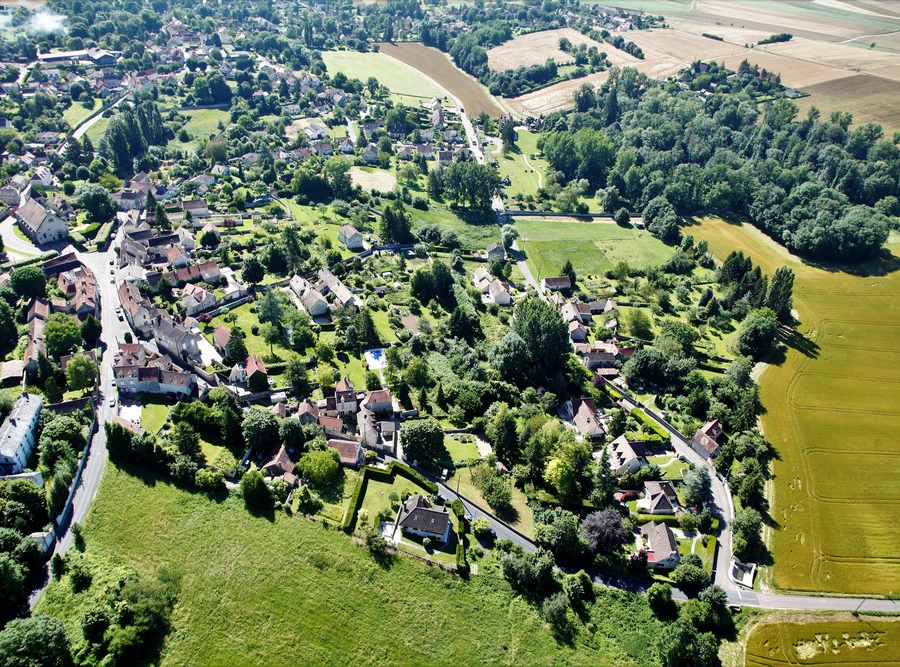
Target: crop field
[
  {"x": 592, "y": 247},
  {"x": 833, "y": 412},
  {"x": 866, "y": 97},
  {"x": 281, "y": 590},
  {"x": 439, "y": 68},
  {"x": 845, "y": 641},
  {"x": 373, "y": 179},
  {"x": 406, "y": 83},
  {"x": 553, "y": 98},
  {"x": 536, "y": 47}
]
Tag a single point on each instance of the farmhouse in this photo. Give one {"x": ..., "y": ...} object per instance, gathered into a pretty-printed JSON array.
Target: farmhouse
[
  {"x": 419, "y": 517},
  {"x": 17, "y": 434},
  {"x": 351, "y": 453},
  {"x": 662, "y": 549},
  {"x": 350, "y": 237}
]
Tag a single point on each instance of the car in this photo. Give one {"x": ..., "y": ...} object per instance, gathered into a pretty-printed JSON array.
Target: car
[
  {"x": 444, "y": 475},
  {"x": 112, "y": 281},
  {"x": 112, "y": 402},
  {"x": 470, "y": 518},
  {"x": 113, "y": 383},
  {"x": 622, "y": 496},
  {"x": 492, "y": 533},
  {"x": 440, "y": 499},
  {"x": 121, "y": 317}
]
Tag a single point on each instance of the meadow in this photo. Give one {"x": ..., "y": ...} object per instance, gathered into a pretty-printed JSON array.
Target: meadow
[
  {"x": 592, "y": 247},
  {"x": 526, "y": 172},
  {"x": 200, "y": 125},
  {"x": 439, "y": 68},
  {"x": 406, "y": 83},
  {"x": 832, "y": 403},
  {"x": 281, "y": 590},
  {"x": 845, "y": 641}
]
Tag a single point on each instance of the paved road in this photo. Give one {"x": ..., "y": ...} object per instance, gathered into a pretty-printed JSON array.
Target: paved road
[{"x": 15, "y": 247}]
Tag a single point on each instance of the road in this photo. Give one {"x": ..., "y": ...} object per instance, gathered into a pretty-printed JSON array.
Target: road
[{"x": 15, "y": 247}]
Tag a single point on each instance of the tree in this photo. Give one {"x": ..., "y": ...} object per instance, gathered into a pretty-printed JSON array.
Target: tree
[
  {"x": 481, "y": 527},
  {"x": 604, "y": 531},
  {"x": 271, "y": 335},
  {"x": 186, "y": 439},
  {"x": 697, "y": 485},
  {"x": 417, "y": 373},
  {"x": 690, "y": 577},
  {"x": 256, "y": 492},
  {"x": 236, "y": 348},
  {"x": 682, "y": 646},
  {"x": 80, "y": 372},
  {"x": 567, "y": 467},
  {"x": 497, "y": 492},
  {"x": 747, "y": 525},
  {"x": 569, "y": 270},
  {"x": 253, "y": 271},
  {"x": 659, "y": 597},
  {"x": 395, "y": 225},
  {"x": 36, "y": 640},
  {"x": 545, "y": 335},
  {"x": 96, "y": 200},
  {"x": 290, "y": 432},
  {"x": 780, "y": 295},
  {"x": 270, "y": 308},
  {"x": 557, "y": 529},
  {"x": 556, "y": 609},
  {"x": 639, "y": 324},
  {"x": 90, "y": 330},
  {"x": 502, "y": 434},
  {"x": 61, "y": 335},
  {"x": 622, "y": 217},
  {"x": 297, "y": 375},
  {"x": 510, "y": 357},
  {"x": 207, "y": 479},
  {"x": 260, "y": 428},
  {"x": 320, "y": 467},
  {"x": 209, "y": 238},
  {"x": 422, "y": 440},
  {"x": 29, "y": 282},
  {"x": 661, "y": 221},
  {"x": 758, "y": 332}
]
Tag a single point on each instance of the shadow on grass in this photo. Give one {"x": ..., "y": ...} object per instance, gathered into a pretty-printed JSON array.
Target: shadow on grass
[{"x": 797, "y": 341}]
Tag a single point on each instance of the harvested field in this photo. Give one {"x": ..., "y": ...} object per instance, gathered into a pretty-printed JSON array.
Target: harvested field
[
  {"x": 682, "y": 46},
  {"x": 844, "y": 56},
  {"x": 373, "y": 179},
  {"x": 439, "y": 68},
  {"x": 535, "y": 48},
  {"x": 833, "y": 405},
  {"x": 867, "y": 97},
  {"x": 794, "y": 73},
  {"x": 553, "y": 98},
  {"x": 839, "y": 640}
]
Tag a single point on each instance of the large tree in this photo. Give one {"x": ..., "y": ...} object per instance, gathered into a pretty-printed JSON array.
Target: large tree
[
  {"x": 396, "y": 225},
  {"x": 80, "y": 372},
  {"x": 96, "y": 200},
  {"x": 61, "y": 335},
  {"x": 758, "y": 333},
  {"x": 36, "y": 640},
  {"x": 29, "y": 282},
  {"x": 603, "y": 531},
  {"x": 422, "y": 440},
  {"x": 780, "y": 295},
  {"x": 546, "y": 337},
  {"x": 260, "y": 429}
]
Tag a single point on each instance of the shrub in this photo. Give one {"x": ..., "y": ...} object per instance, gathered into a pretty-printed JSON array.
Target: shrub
[
  {"x": 256, "y": 491},
  {"x": 556, "y": 609}
]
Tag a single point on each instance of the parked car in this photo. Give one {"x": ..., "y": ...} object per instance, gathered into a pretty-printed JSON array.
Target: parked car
[
  {"x": 444, "y": 475},
  {"x": 622, "y": 496}
]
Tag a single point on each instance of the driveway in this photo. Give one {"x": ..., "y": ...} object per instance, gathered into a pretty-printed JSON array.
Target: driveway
[{"x": 15, "y": 247}]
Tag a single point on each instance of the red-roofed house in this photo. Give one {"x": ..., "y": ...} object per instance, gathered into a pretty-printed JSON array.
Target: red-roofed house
[{"x": 351, "y": 453}]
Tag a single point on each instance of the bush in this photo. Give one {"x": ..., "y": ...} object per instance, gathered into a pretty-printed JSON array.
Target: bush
[
  {"x": 256, "y": 491},
  {"x": 556, "y": 609}
]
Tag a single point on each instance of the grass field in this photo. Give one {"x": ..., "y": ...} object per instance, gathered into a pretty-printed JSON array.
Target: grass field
[
  {"x": 406, "y": 83},
  {"x": 154, "y": 412},
  {"x": 245, "y": 320},
  {"x": 519, "y": 516},
  {"x": 592, "y": 247},
  {"x": 201, "y": 124},
  {"x": 76, "y": 114},
  {"x": 526, "y": 173},
  {"x": 832, "y": 413},
  {"x": 868, "y": 98},
  {"x": 459, "y": 450},
  {"x": 439, "y": 68},
  {"x": 475, "y": 229},
  {"x": 837, "y": 641},
  {"x": 373, "y": 179},
  {"x": 277, "y": 590}
]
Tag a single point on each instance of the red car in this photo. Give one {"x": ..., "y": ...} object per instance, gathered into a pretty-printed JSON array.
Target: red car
[{"x": 622, "y": 496}]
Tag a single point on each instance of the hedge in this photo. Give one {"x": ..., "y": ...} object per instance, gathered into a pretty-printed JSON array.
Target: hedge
[
  {"x": 43, "y": 257},
  {"x": 105, "y": 233},
  {"x": 90, "y": 232},
  {"x": 642, "y": 417},
  {"x": 462, "y": 565}
]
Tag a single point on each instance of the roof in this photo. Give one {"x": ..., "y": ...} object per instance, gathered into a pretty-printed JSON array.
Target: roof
[
  {"x": 660, "y": 496},
  {"x": 417, "y": 513},
  {"x": 563, "y": 282},
  {"x": 330, "y": 422},
  {"x": 378, "y": 396},
  {"x": 32, "y": 214},
  {"x": 255, "y": 365},
  {"x": 344, "y": 384},
  {"x": 705, "y": 441},
  {"x": 660, "y": 539},
  {"x": 346, "y": 449},
  {"x": 348, "y": 230},
  {"x": 18, "y": 423},
  {"x": 281, "y": 464},
  {"x": 221, "y": 336},
  {"x": 586, "y": 416},
  {"x": 13, "y": 369}
]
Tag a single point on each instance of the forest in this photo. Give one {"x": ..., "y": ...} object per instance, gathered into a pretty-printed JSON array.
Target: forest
[{"x": 825, "y": 190}]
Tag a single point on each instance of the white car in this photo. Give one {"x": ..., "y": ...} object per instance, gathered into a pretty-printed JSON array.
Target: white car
[{"x": 112, "y": 402}]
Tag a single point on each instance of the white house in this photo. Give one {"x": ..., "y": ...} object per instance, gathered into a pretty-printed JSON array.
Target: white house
[
  {"x": 350, "y": 237},
  {"x": 17, "y": 434},
  {"x": 314, "y": 302},
  {"x": 625, "y": 456},
  {"x": 39, "y": 224},
  {"x": 195, "y": 299},
  {"x": 419, "y": 517}
]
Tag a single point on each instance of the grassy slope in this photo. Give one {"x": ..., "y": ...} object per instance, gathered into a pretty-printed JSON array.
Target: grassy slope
[
  {"x": 592, "y": 247},
  {"x": 833, "y": 411},
  {"x": 287, "y": 591},
  {"x": 406, "y": 84}
]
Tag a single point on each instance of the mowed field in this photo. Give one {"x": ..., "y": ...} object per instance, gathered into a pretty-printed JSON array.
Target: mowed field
[
  {"x": 438, "y": 67},
  {"x": 373, "y": 179},
  {"x": 833, "y": 414},
  {"x": 526, "y": 172},
  {"x": 841, "y": 640},
  {"x": 281, "y": 590},
  {"x": 592, "y": 247},
  {"x": 406, "y": 83}
]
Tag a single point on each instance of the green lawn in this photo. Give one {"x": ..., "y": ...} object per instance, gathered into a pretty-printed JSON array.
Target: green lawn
[
  {"x": 96, "y": 131},
  {"x": 592, "y": 247},
  {"x": 201, "y": 123},
  {"x": 519, "y": 516},
  {"x": 245, "y": 320},
  {"x": 353, "y": 367},
  {"x": 76, "y": 114},
  {"x": 335, "y": 505},
  {"x": 280, "y": 590},
  {"x": 377, "y": 495},
  {"x": 475, "y": 229},
  {"x": 406, "y": 84},
  {"x": 154, "y": 412},
  {"x": 524, "y": 179},
  {"x": 459, "y": 450}
]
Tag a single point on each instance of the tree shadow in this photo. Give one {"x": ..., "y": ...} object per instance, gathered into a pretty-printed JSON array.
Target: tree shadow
[
  {"x": 476, "y": 217},
  {"x": 267, "y": 512},
  {"x": 797, "y": 341},
  {"x": 882, "y": 264},
  {"x": 508, "y": 514}
]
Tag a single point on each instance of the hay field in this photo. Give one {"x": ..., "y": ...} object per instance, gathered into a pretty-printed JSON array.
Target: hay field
[
  {"x": 844, "y": 56},
  {"x": 841, "y": 640},
  {"x": 553, "y": 98},
  {"x": 592, "y": 247},
  {"x": 406, "y": 83},
  {"x": 536, "y": 47},
  {"x": 438, "y": 67},
  {"x": 867, "y": 97},
  {"x": 833, "y": 412},
  {"x": 373, "y": 179}
]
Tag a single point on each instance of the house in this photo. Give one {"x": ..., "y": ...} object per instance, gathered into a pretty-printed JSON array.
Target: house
[
  {"x": 175, "y": 338},
  {"x": 328, "y": 282},
  {"x": 195, "y": 299},
  {"x": 314, "y": 303},
  {"x": 197, "y": 208},
  {"x": 662, "y": 549},
  {"x": 369, "y": 156},
  {"x": 257, "y": 375},
  {"x": 350, "y": 237},
  {"x": 351, "y": 453},
  {"x": 330, "y": 425},
  {"x": 378, "y": 401},
  {"x": 39, "y": 224},
  {"x": 133, "y": 379},
  {"x": 39, "y": 308},
  {"x": 577, "y": 332},
  {"x": 136, "y": 308},
  {"x": 496, "y": 251},
  {"x": 281, "y": 466},
  {"x": 308, "y": 412},
  {"x": 482, "y": 279},
  {"x": 419, "y": 517},
  {"x": 556, "y": 284},
  {"x": 221, "y": 338},
  {"x": 659, "y": 498},
  {"x": 9, "y": 196},
  {"x": 315, "y": 132},
  {"x": 35, "y": 347},
  {"x": 705, "y": 440},
  {"x": 12, "y": 373},
  {"x": 625, "y": 456},
  {"x": 499, "y": 293},
  {"x": 17, "y": 433},
  {"x": 584, "y": 415}
]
